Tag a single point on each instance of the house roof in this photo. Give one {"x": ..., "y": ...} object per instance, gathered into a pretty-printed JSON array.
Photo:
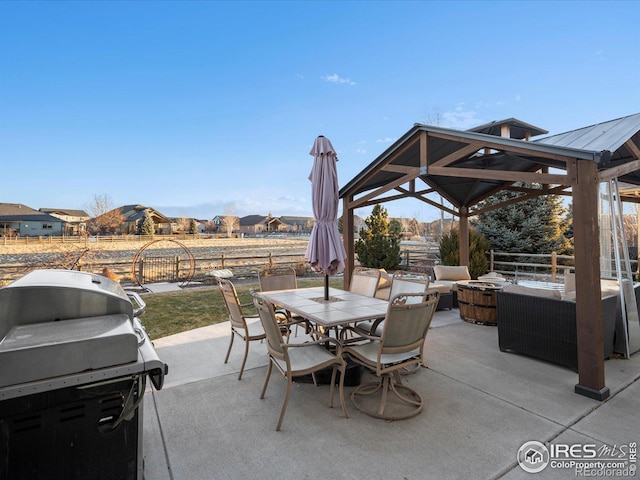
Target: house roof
[
  {"x": 251, "y": 220},
  {"x": 133, "y": 213},
  {"x": 64, "y": 211},
  {"x": 17, "y": 209},
  {"x": 14, "y": 212},
  {"x": 296, "y": 220},
  {"x": 441, "y": 158}
]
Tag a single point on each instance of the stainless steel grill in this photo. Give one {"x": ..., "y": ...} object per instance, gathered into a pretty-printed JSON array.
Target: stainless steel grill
[{"x": 74, "y": 359}]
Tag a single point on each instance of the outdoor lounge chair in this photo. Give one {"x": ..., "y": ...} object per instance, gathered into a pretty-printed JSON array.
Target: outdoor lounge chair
[
  {"x": 399, "y": 347},
  {"x": 247, "y": 331},
  {"x": 294, "y": 360}
]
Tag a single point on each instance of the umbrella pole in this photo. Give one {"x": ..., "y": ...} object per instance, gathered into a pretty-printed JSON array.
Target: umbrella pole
[{"x": 326, "y": 287}]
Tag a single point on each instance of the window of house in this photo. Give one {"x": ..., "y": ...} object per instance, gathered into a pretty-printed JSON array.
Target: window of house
[{"x": 47, "y": 226}]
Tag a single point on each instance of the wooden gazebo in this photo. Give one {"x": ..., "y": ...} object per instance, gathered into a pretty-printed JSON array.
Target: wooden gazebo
[{"x": 466, "y": 167}]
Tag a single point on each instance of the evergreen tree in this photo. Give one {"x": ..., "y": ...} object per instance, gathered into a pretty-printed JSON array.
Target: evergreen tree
[
  {"x": 379, "y": 244},
  {"x": 146, "y": 227},
  {"x": 478, "y": 249},
  {"x": 193, "y": 226},
  {"x": 531, "y": 226}
]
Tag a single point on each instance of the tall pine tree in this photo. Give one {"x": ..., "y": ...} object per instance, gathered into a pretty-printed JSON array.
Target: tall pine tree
[
  {"x": 379, "y": 244},
  {"x": 531, "y": 226},
  {"x": 146, "y": 227}
]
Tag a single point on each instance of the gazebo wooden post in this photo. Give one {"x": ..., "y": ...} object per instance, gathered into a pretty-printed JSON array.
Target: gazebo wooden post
[
  {"x": 348, "y": 237},
  {"x": 464, "y": 236},
  {"x": 591, "y": 382}
]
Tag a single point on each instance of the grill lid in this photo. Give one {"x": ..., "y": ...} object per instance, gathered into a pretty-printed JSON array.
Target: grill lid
[{"x": 55, "y": 295}]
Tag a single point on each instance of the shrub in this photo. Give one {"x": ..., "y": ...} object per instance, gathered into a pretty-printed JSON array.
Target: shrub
[{"x": 478, "y": 249}]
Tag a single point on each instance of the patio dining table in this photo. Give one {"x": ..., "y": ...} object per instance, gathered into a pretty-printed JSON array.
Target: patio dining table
[{"x": 342, "y": 308}]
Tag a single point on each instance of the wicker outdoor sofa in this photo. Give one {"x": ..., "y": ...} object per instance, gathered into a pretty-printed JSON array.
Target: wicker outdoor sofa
[{"x": 545, "y": 328}]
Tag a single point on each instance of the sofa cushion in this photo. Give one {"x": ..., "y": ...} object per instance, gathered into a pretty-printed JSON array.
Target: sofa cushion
[
  {"x": 607, "y": 288},
  {"x": 385, "y": 279},
  {"x": 447, "y": 272},
  {"x": 442, "y": 289},
  {"x": 536, "y": 292}
]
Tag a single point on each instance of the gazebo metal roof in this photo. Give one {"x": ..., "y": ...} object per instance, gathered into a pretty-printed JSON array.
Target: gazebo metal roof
[{"x": 609, "y": 144}]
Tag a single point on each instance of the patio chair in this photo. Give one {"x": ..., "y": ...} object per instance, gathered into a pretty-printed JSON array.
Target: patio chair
[
  {"x": 401, "y": 282},
  {"x": 364, "y": 281},
  {"x": 247, "y": 331},
  {"x": 399, "y": 347},
  {"x": 298, "y": 359},
  {"x": 281, "y": 278}
]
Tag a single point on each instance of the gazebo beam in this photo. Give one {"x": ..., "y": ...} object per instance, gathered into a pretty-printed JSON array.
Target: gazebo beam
[
  {"x": 588, "y": 294},
  {"x": 348, "y": 235},
  {"x": 464, "y": 236},
  {"x": 501, "y": 175}
]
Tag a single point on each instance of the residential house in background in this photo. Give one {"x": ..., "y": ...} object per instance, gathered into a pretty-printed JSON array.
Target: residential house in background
[
  {"x": 18, "y": 219},
  {"x": 183, "y": 224},
  {"x": 296, "y": 224},
  {"x": 220, "y": 225},
  {"x": 259, "y": 224},
  {"x": 75, "y": 220},
  {"x": 135, "y": 213}
]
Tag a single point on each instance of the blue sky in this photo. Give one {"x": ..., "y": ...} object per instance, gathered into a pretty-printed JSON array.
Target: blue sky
[{"x": 208, "y": 107}]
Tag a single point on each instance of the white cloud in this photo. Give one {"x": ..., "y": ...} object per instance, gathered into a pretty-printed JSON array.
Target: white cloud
[
  {"x": 461, "y": 119},
  {"x": 361, "y": 150},
  {"x": 299, "y": 75},
  {"x": 385, "y": 140},
  {"x": 518, "y": 97},
  {"x": 335, "y": 78}
]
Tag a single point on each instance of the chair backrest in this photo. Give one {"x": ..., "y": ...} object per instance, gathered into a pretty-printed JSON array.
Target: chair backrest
[
  {"x": 230, "y": 297},
  {"x": 407, "y": 283},
  {"x": 407, "y": 322},
  {"x": 270, "y": 325},
  {"x": 364, "y": 281},
  {"x": 277, "y": 279}
]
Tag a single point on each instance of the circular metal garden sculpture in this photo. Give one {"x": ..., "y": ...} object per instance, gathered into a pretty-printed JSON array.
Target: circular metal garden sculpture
[{"x": 162, "y": 267}]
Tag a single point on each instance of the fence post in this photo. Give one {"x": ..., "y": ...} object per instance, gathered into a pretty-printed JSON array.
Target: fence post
[
  {"x": 177, "y": 268},
  {"x": 222, "y": 261},
  {"x": 406, "y": 261},
  {"x": 270, "y": 259},
  {"x": 491, "y": 261},
  {"x": 554, "y": 265}
]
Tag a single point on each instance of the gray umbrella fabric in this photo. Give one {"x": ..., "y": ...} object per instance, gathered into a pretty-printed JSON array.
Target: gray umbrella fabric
[{"x": 325, "y": 251}]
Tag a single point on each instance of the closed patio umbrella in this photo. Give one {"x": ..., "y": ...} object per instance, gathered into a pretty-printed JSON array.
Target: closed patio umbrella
[{"x": 325, "y": 251}]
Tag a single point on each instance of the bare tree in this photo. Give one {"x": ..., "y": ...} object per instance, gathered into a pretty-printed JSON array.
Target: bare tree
[
  {"x": 183, "y": 224},
  {"x": 229, "y": 223},
  {"x": 210, "y": 226},
  {"x": 105, "y": 218}
]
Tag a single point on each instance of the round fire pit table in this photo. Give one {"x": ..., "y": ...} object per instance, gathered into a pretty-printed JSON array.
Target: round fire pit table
[{"x": 477, "y": 302}]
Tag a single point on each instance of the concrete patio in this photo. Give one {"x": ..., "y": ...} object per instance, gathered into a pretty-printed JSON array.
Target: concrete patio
[{"x": 481, "y": 405}]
